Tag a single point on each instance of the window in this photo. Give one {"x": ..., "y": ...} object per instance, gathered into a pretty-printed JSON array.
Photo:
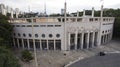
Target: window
[
  {"x": 79, "y": 19},
  {"x": 42, "y": 25},
  {"x": 49, "y": 25},
  {"x": 14, "y": 34},
  {"x": 17, "y": 25},
  {"x": 13, "y": 25},
  {"x": 24, "y": 35},
  {"x": 59, "y": 19},
  {"x": 57, "y": 35},
  {"x": 57, "y": 25},
  {"x": 36, "y": 35},
  {"x": 106, "y": 31},
  {"x": 19, "y": 34},
  {"x": 23, "y": 25},
  {"x": 43, "y": 35},
  {"x": 50, "y": 35},
  {"x": 36, "y": 25},
  {"x": 104, "y": 19},
  {"x": 29, "y": 25},
  {"x": 30, "y": 35},
  {"x": 102, "y": 31},
  {"x": 96, "y": 19},
  {"x": 91, "y": 19}
]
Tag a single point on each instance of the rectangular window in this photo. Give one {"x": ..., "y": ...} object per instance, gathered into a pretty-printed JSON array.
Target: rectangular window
[
  {"x": 57, "y": 25},
  {"x": 91, "y": 19},
  {"x": 42, "y": 25},
  {"x": 29, "y": 25},
  {"x": 36, "y": 25},
  {"x": 96, "y": 19},
  {"x": 17, "y": 25},
  {"x": 49, "y": 25},
  {"x": 79, "y": 19},
  {"x": 23, "y": 25}
]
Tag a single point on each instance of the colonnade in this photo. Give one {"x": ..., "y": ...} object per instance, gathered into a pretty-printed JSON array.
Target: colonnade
[
  {"x": 76, "y": 40},
  {"x": 105, "y": 38},
  {"x": 82, "y": 40},
  {"x": 40, "y": 44}
]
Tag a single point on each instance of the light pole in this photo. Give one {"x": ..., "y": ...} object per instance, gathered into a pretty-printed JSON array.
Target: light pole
[{"x": 34, "y": 47}]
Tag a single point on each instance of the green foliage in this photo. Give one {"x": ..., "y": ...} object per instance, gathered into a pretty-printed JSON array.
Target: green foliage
[
  {"x": 7, "y": 59},
  {"x": 5, "y": 30},
  {"x": 116, "y": 30},
  {"x": 27, "y": 56}
]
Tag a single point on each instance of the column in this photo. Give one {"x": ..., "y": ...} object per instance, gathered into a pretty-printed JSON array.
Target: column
[
  {"x": 28, "y": 44},
  {"x": 14, "y": 42},
  {"x": 23, "y": 44},
  {"x": 97, "y": 39},
  {"x": 109, "y": 36},
  {"x": 18, "y": 43},
  {"x": 93, "y": 39},
  {"x": 69, "y": 37},
  {"x": 47, "y": 45},
  {"x": 54, "y": 45},
  {"x": 76, "y": 38},
  {"x": 106, "y": 38},
  {"x": 102, "y": 40},
  {"x": 40, "y": 45},
  {"x": 82, "y": 38},
  {"x": 88, "y": 37}
]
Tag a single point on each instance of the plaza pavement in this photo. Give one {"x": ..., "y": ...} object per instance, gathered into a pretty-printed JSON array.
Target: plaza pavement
[{"x": 58, "y": 59}]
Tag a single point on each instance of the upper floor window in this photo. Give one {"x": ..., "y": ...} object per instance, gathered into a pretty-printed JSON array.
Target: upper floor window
[
  {"x": 17, "y": 25},
  {"x": 102, "y": 31},
  {"x": 91, "y": 19},
  {"x": 43, "y": 35},
  {"x": 29, "y": 25},
  {"x": 30, "y": 35},
  {"x": 36, "y": 25},
  {"x": 42, "y": 25},
  {"x": 57, "y": 35},
  {"x": 23, "y": 25},
  {"x": 57, "y": 25},
  {"x": 50, "y": 35},
  {"x": 14, "y": 34},
  {"x": 19, "y": 34},
  {"x": 24, "y": 34},
  {"x": 36, "y": 35},
  {"x": 96, "y": 19},
  {"x": 49, "y": 25}
]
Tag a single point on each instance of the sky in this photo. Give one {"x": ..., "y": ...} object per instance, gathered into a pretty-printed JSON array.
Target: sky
[{"x": 55, "y": 6}]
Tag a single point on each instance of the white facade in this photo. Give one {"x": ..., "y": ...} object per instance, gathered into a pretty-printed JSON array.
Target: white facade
[{"x": 81, "y": 33}]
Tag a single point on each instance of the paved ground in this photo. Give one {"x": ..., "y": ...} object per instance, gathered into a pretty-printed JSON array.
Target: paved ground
[
  {"x": 58, "y": 59},
  {"x": 108, "y": 60}
]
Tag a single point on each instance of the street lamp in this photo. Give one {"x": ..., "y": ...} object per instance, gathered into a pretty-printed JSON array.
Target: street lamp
[{"x": 34, "y": 47}]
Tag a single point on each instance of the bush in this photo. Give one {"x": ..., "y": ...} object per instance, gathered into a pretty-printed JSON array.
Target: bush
[
  {"x": 7, "y": 59},
  {"x": 27, "y": 56}
]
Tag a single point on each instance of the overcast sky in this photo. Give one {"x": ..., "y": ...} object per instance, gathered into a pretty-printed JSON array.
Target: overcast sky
[{"x": 54, "y": 6}]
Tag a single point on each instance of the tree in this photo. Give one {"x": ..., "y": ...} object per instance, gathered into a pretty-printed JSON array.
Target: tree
[
  {"x": 5, "y": 29},
  {"x": 7, "y": 59},
  {"x": 26, "y": 56}
]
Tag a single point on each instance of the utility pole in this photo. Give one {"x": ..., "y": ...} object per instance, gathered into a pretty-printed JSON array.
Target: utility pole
[
  {"x": 65, "y": 8},
  {"x": 34, "y": 47},
  {"x": 101, "y": 20}
]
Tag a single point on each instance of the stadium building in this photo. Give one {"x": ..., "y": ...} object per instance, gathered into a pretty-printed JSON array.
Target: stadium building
[{"x": 62, "y": 33}]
